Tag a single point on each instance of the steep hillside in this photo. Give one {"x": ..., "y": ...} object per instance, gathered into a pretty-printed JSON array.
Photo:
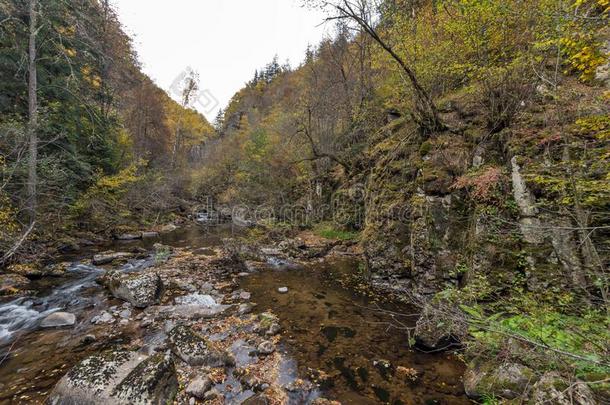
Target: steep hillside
[{"x": 87, "y": 140}]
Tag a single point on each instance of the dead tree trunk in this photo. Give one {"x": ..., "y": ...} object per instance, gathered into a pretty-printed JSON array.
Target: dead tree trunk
[{"x": 32, "y": 115}]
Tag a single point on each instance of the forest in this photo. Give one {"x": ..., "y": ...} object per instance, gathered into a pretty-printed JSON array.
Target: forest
[{"x": 452, "y": 155}]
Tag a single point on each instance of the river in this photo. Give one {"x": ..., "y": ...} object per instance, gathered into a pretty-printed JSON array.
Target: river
[{"x": 329, "y": 328}]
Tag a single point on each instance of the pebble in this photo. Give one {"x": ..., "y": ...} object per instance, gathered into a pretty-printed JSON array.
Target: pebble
[
  {"x": 245, "y": 295},
  {"x": 282, "y": 290},
  {"x": 266, "y": 347}
]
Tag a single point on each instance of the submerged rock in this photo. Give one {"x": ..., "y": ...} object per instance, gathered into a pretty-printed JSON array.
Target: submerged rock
[
  {"x": 196, "y": 350},
  {"x": 117, "y": 377},
  {"x": 58, "y": 320},
  {"x": 509, "y": 380},
  {"x": 141, "y": 290},
  {"x": 109, "y": 257}
]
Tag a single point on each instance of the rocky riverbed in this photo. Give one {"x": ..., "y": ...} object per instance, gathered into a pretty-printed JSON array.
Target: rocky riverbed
[{"x": 210, "y": 320}]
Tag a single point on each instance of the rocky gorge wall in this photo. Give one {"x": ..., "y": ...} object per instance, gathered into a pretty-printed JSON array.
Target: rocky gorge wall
[{"x": 455, "y": 209}]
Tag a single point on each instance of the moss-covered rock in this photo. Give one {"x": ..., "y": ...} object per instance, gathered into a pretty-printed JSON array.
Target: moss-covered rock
[
  {"x": 508, "y": 380},
  {"x": 117, "y": 377},
  {"x": 196, "y": 350},
  {"x": 153, "y": 381},
  {"x": 141, "y": 290},
  {"x": 552, "y": 388}
]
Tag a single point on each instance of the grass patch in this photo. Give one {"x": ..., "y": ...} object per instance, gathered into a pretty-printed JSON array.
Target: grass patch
[
  {"x": 586, "y": 336},
  {"x": 329, "y": 232}
]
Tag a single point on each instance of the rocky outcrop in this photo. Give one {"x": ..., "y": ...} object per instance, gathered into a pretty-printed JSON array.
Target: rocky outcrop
[
  {"x": 196, "y": 350},
  {"x": 117, "y": 377},
  {"x": 141, "y": 290},
  {"x": 530, "y": 224},
  {"x": 508, "y": 381}
]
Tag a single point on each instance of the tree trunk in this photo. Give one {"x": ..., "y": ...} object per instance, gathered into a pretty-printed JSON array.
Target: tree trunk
[{"x": 32, "y": 116}]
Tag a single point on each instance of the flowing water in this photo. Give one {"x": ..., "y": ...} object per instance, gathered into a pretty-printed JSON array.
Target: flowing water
[
  {"x": 329, "y": 330},
  {"x": 354, "y": 339}
]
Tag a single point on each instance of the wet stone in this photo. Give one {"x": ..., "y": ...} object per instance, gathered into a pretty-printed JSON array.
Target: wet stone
[
  {"x": 196, "y": 350},
  {"x": 266, "y": 348},
  {"x": 199, "y": 386},
  {"x": 117, "y": 377},
  {"x": 58, "y": 320},
  {"x": 141, "y": 290}
]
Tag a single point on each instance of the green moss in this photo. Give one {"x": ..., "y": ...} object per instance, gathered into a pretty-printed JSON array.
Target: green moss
[{"x": 329, "y": 232}]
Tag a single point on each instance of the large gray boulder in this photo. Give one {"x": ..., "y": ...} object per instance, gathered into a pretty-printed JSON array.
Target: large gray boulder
[
  {"x": 141, "y": 290},
  {"x": 196, "y": 350},
  {"x": 58, "y": 320},
  {"x": 117, "y": 377}
]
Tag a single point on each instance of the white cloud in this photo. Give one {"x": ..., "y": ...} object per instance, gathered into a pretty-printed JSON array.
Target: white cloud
[{"x": 224, "y": 40}]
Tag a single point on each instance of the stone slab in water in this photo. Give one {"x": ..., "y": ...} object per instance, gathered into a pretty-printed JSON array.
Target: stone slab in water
[
  {"x": 58, "y": 320},
  {"x": 109, "y": 257},
  {"x": 117, "y": 377}
]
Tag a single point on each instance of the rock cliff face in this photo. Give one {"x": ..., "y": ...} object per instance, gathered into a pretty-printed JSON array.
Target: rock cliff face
[{"x": 451, "y": 209}]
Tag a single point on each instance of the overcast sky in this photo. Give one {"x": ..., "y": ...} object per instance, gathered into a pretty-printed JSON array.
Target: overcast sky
[{"x": 223, "y": 40}]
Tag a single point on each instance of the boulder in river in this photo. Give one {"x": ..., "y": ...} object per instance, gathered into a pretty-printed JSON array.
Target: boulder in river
[
  {"x": 196, "y": 350},
  {"x": 118, "y": 377},
  {"x": 141, "y": 290},
  {"x": 58, "y": 320},
  {"x": 109, "y": 257}
]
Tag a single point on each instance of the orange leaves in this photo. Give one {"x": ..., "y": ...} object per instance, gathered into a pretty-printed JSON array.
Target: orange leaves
[{"x": 482, "y": 185}]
